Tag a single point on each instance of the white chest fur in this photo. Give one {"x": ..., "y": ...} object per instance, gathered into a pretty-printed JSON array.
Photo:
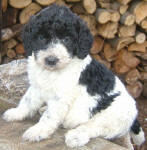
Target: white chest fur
[{"x": 57, "y": 82}]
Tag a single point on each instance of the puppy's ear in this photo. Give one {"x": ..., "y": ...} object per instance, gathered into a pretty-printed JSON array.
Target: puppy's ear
[{"x": 85, "y": 39}]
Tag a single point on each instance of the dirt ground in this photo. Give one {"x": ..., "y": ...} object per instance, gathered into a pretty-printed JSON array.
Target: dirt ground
[{"x": 142, "y": 107}]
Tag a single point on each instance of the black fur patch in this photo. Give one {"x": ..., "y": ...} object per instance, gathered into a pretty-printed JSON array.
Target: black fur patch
[
  {"x": 99, "y": 80},
  {"x": 136, "y": 127}
]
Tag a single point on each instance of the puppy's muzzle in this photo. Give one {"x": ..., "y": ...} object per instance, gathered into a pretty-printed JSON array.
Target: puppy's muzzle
[{"x": 51, "y": 60}]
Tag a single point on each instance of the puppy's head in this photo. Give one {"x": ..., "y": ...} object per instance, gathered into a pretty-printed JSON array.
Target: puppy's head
[{"x": 55, "y": 36}]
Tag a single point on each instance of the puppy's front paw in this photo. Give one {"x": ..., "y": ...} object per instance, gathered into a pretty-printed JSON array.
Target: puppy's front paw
[
  {"x": 75, "y": 138},
  {"x": 13, "y": 114},
  {"x": 36, "y": 133}
]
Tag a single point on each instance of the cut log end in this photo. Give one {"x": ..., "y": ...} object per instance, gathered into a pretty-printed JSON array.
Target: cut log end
[
  {"x": 27, "y": 12},
  {"x": 45, "y": 2},
  {"x": 20, "y": 3}
]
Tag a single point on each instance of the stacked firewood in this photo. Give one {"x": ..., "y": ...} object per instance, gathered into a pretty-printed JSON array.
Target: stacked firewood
[{"x": 119, "y": 28}]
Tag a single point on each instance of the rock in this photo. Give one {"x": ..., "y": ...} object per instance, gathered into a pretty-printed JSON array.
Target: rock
[
  {"x": 135, "y": 89},
  {"x": 20, "y": 49},
  {"x": 120, "y": 67},
  {"x": 97, "y": 45},
  {"x": 132, "y": 76},
  {"x": 90, "y": 6}
]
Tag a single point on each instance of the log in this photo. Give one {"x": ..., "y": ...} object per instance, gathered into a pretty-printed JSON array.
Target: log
[
  {"x": 124, "y": 1},
  {"x": 27, "y": 12},
  {"x": 109, "y": 52},
  {"x": 120, "y": 67},
  {"x": 135, "y": 89},
  {"x": 103, "y": 15},
  {"x": 108, "y": 30},
  {"x": 104, "y": 3},
  {"x": 90, "y": 6},
  {"x": 115, "y": 16},
  {"x": 143, "y": 57},
  {"x": 9, "y": 17},
  {"x": 126, "y": 31},
  {"x": 8, "y": 33},
  {"x": 139, "y": 9},
  {"x": 4, "y": 4},
  {"x": 20, "y": 49},
  {"x": 114, "y": 6},
  {"x": 143, "y": 76},
  {"x": 78, "y": 8},
  {"x": 11, "y": 53},
  {"x": 144, "y": 92},
  {"x": 99, "y": 59},
  {"x": 45, "y": 2},
  {"x": 97, "y": 45},
  {"x": 0, "y": 58},
  {"x": 128, "y": 58},
  {"x": 8, "y": 45},
  {"x": 140, "y": 37},
  {"x": 144, "y": 24},
  {"x": 127, "y": 19},
  {"x": 132, "y": 76},
  {"x": 138, "y": 47},
  {"x": 123, "y": 9},
  {"x": 72, "y": 0},
  {"x": 20, "y": 3},
  {"x": 119, "y": 43}
]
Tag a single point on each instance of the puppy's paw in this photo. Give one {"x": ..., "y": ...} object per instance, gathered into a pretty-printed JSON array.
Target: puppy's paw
[
  {"x": 13, "y": 114},
  {"x": 36, "y": 133},
  {"x": 75, "y": 138}
]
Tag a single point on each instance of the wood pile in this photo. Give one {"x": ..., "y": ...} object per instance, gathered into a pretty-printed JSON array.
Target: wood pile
[{"x": 119, "y": 28}]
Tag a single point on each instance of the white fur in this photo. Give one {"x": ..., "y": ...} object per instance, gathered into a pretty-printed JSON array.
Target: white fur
[
  {"x": 69, "y": 103},
  {"x": 139, "y": 138}
]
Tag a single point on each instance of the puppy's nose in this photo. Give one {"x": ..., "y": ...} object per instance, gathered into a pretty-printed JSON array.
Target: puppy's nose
[{"x": 51, "y": 60}]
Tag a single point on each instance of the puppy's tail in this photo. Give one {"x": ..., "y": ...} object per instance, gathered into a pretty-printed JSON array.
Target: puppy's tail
[{"x": 137, "y": 133}]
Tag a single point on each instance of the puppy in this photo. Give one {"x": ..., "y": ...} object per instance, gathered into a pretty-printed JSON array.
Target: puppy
[{"x": 81, "y": 94}]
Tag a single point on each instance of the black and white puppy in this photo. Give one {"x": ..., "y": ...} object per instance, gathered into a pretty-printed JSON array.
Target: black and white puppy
[{"x": 81, "y": 94}]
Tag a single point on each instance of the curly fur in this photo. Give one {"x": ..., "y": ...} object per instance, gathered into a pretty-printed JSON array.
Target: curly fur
[
  {"x": 80, "y": 93},
  {"x": 57, "y": 22}
]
